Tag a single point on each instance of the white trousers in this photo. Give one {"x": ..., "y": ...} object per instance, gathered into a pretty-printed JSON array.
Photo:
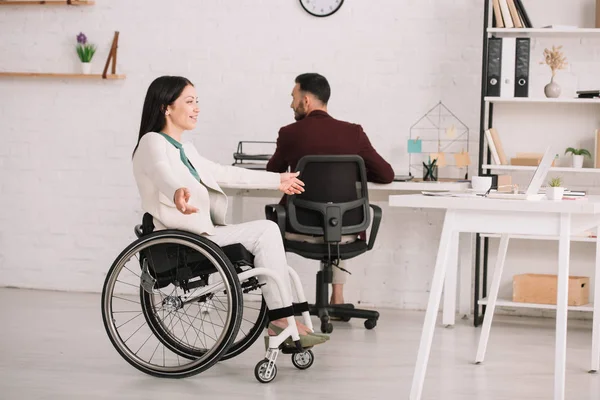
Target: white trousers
[
  {"x": 263, "y": 239},
  {"x": 338, "y": 276}
]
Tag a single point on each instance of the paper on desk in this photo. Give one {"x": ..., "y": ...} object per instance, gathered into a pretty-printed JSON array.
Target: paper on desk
[{"x": 449, "y": 194}]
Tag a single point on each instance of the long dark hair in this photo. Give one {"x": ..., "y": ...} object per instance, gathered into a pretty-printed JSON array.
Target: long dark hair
[{"x": 163, "y": 91}]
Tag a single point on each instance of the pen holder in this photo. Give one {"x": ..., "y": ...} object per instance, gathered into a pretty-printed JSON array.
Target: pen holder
[{"x": 430, "y": 173}]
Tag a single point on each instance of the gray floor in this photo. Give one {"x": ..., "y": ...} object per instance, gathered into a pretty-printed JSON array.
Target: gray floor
[{"x": 53, "y": 346}]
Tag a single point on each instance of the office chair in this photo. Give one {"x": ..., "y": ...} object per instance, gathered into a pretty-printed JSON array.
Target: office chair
[{"x": 335, "y": 203}]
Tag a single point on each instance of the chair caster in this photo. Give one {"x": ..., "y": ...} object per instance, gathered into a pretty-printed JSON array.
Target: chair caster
[
  {"x": 303, "y": 360},
  {"x": 261, "y": 372},
  {"x": 370, "y": 323},
  {"x": 326, "y": 326}
]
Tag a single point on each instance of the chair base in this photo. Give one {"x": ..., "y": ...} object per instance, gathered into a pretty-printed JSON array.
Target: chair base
[{"x": 345, "y": 312}]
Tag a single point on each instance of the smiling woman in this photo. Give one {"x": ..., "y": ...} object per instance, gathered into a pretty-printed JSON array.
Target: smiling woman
[{"x": 181, "y": 189}]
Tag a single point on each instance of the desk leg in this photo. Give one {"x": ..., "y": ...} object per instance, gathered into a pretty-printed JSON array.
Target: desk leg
[
  {"x": 449, "y": 311},
  {"x": 465, "y": 267},
  {"x": 433, "y": 306},
  {"x": 562, "y": 298},
  {"x": 492, "y": 297},
  {"x": 596, "y": 318}
]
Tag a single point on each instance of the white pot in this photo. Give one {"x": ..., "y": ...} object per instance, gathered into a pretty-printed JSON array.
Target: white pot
[
  {"x": 86, "y": 68},
  {"x": 577, "y": 161},
  {"x": 555, "y": 193}
]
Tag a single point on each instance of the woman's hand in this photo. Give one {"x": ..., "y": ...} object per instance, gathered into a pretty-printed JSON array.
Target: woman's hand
[
  {"x": 290, "y": 184},
  {"x": 181, "y": 197}
]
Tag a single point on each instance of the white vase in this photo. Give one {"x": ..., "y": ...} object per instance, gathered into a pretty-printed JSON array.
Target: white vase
[
  {"x": 552, "y": 90},
  {"x": 577, "y": 161},
  {"x": 86, "y": 68},
  {"x": 555, "y": 193}
]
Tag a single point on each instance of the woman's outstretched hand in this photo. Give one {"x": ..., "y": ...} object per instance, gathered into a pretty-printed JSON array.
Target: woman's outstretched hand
[
  {"x": 290, "y": 184},
  {"x": 181, "y": 197}
]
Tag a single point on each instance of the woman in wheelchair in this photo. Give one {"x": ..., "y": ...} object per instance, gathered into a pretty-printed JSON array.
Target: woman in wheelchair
[{"x": 181, "y": 192}]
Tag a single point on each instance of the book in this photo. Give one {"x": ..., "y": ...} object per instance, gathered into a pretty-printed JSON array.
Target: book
[
  {"x": 508, "y": 22},
  {"x": 497, "y": 14},
  {"x": 523, "y": 14},
  {"x": 514, "y": 14},
  {"x": 492, "y": 147},
  {"x": 499, "y": 148}
]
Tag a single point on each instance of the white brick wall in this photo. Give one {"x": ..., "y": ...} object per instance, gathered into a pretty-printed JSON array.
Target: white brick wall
[{"x": 67, "y": 195}]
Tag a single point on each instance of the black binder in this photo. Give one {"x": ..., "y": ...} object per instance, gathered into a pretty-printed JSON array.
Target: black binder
[
  {"x": 494, "y": 66},
  {"x": 522, "y": 67}
]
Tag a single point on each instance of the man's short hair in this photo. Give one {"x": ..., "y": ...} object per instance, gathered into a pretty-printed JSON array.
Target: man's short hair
[{"x": 315, "y": 84}]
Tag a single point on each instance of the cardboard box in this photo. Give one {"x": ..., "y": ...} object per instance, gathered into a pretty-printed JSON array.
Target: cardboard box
[
  {"x": 541, "y": 289},
  {"x": 597, "y": 13},
  {"x": 530, "y": 162}
]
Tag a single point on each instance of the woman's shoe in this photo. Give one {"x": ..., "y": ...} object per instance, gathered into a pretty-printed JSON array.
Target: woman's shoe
[{"x": 308, "y": 340}]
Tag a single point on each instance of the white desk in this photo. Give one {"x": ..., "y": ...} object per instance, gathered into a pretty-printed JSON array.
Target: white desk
[
  {"x": 561, "y": 218},
  {"x": 381, "y": 192}
]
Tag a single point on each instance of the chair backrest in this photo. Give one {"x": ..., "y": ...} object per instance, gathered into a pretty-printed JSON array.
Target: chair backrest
[{"x": 336, "y": 198}]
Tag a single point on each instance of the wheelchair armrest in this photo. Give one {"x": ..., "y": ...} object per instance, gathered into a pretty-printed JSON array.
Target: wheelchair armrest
[
  {"x": 277, "y": 214},
  {"x": 375, "y": 225}
]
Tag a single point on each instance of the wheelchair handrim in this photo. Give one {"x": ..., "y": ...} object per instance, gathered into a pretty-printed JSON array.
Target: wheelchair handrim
[{"x": 227, "y": 335}]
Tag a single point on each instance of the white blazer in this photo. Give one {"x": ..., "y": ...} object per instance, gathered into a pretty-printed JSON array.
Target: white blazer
[{"x": 159, "y": 172}]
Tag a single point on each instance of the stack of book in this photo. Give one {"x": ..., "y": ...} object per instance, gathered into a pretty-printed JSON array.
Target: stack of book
[{"x": 510, "y": 14}]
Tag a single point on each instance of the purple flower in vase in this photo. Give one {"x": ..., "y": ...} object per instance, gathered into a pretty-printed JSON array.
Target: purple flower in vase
[{"x": 81, "y": 38}]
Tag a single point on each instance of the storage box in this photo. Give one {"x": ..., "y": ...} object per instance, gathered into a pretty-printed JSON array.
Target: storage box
[
  {"x": 597, "y": 13},
  {"x": 541, "y": 289}
]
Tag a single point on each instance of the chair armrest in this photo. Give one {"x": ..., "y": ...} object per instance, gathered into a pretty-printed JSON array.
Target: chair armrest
[
  {"x": 375, "y": 225},
  {"x": 277, "y": 214}
]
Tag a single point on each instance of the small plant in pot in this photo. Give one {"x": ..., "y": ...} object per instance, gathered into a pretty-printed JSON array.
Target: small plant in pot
[
  {"x": 555, "y": 191},
  {"x": 578, "y": 155}
]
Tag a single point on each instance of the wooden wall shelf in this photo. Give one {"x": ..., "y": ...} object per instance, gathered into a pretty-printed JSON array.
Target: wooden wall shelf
[
  {"x": 46, "y": 2},
  {"x": 59, "y": 75}
]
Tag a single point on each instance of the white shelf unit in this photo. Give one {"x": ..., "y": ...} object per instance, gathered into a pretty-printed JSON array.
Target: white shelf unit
[
  {"x": 509, "y": 303},
  {"x": 531, "y": 168},
  {"x": 560, "y": 100},
  {"x": 544, "y": 31},
  {"x": 575, "y": 238},
  {"x": 492, "y": 106}
]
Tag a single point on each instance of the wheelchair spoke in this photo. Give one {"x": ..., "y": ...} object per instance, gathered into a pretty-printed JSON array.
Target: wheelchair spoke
[{"x": 128, "y": 321}]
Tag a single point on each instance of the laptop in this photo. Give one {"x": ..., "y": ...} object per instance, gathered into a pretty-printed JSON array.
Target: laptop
[{"x": 535, "y": 184}]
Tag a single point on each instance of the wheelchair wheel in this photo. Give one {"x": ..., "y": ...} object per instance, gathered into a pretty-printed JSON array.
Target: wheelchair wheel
[
  {"x": 154, "y": 304},
  {"x": 254, "y": 319}
]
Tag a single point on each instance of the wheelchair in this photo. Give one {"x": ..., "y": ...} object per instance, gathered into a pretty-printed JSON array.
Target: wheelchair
[{"x": 174, "y": 304}]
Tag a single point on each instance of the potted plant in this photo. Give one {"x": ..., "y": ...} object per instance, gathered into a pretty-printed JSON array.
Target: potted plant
[
  {"x": 578, "y": 155},
  {"x": 555, "y": 191},
  {"x": 86, "y": 52},
  {"x": 556, "y": 60}
]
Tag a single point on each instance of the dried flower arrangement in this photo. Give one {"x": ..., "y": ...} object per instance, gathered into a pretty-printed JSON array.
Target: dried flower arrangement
[{"x": 555, "y": 59}]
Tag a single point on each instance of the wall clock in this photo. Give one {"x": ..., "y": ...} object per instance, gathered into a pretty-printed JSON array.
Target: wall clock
[{"x": 321, "y": 8}]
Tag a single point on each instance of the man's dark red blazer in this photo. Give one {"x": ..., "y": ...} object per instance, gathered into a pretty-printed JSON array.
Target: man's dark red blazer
[{"x": 320, "y": 134}]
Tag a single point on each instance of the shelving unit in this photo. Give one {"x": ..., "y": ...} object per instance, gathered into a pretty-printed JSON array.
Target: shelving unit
[
  {"x": 60, "y": 75},
  {"x": 509, "y": 303},
  {"x": 543, "y": 31},
  {"x": 529, "y": 168},
  {"x": 540, "y": 100},
  {"x": 46, "y": 3},
  {"x": 486, "y": 122}
]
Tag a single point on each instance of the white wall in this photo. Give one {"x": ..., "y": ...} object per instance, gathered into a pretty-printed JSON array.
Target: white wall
[{"x": 68, "y": 198}]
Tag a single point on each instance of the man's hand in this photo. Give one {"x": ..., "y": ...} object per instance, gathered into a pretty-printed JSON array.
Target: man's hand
[
  {"x": 290, "y": 184},
  {"x": 181, "y": 197}
]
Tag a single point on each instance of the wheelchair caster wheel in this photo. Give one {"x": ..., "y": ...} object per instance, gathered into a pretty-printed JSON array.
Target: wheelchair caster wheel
[
  {"x": 370, "y": 323},
  {"x": 326, "y": 327},
  {"x": 260, "y": 372},
  {"x": 303, "y": 360}
]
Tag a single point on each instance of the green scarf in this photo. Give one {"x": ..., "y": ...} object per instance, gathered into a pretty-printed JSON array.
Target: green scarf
[{"x": 182, "y": 155}]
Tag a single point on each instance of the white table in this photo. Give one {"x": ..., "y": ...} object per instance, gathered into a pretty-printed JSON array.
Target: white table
[
  {"x": 381, "y": 192},
  {"x": 505, "y": 217}
]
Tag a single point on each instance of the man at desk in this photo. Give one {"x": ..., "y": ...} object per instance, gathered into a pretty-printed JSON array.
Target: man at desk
[{"x": 315, "y": 132}]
